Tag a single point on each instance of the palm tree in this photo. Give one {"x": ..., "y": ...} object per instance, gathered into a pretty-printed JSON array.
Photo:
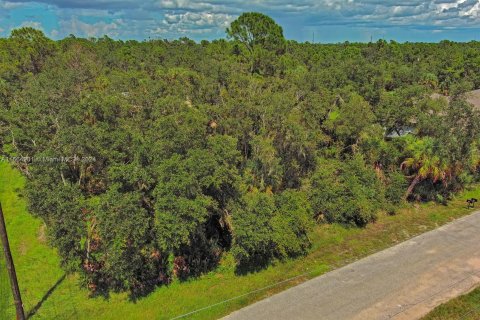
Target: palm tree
[{"x": 425, "y": 163}]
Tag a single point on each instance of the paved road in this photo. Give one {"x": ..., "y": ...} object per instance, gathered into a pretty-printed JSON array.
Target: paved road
[{"x": 402, "y": 282}]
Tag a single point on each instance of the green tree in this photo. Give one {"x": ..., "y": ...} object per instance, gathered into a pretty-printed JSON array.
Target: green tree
[
  {"x": 33, "y": 48},
  {"x": 261, "y": 37},
  {"x": 268, "y": 226},
  {"x": 425, "y": 163},
  {"x": 121, "y": 251},
  {"x": 345, "y": 192},
  {"x": 255, "y": 29},
  {"x": 191, "y": 156}
]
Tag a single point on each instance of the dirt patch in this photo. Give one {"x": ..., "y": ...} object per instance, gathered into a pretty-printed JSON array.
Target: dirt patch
[
  {"x": 42, "y": 236},
  {"x": 23, "y": 248},
  {"x": 474, "y": 98}
]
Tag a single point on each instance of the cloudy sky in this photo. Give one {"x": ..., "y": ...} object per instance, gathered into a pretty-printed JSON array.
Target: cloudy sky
[{"x": 329, "y": 20}]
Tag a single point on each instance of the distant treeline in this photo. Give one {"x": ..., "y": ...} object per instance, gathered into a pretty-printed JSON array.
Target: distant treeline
[{"x": 237, "y": 145}]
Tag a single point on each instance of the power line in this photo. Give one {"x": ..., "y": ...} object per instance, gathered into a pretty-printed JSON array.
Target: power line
[
  {"x": 465, "y": 315},
  {"x": 242, "y": 295}
]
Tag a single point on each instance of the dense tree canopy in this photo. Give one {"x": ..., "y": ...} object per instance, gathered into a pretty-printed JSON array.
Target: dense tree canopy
[{"x": 177, "y": 152}]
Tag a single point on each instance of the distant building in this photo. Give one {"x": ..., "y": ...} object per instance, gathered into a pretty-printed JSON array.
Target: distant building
[{"x": 399, "y": 133}]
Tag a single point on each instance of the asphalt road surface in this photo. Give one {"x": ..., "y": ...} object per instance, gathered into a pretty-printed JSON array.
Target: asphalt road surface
[{"x": 402, "y": 282}]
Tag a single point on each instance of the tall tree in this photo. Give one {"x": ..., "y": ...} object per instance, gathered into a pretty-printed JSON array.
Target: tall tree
[
  {"x": 261, "y": 37},
  {"x": 256, "y": 29}
]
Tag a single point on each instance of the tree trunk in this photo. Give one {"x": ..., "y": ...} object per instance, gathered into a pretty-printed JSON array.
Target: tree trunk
[
  {"x": 14, "y": 144},
  {"x": 63, "y": 178},
  {"x": 412, "y": 186}
]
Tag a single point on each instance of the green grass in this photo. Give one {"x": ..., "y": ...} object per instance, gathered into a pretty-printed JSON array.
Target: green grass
[
  {"x": 5, "y": 295},
  {"x": 466, "y": 307},
  {"x": 334, "y": 246},
  {"x": 35, "y": 262}
]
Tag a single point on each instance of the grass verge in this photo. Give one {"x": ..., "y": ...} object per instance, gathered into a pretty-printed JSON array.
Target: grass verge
[
  {"x": 466, "y": 307},
  {"x": 333, "y": 246},
  {"x": 5, "y": 295}
]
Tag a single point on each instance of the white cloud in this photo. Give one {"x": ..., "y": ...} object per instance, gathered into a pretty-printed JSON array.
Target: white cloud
[
  {"x": 173, "y": 18},
  {"x": 32, "y": 24},
  {"x": 202, "y": 19},
  {"x": 97, "y": 29},
  {"x": 473, "y": 12},
  {"x": 215, "y": 6},
  {"x": 192, "y": 23},
  {"x": 54, "y": 33},
  {"x": 10, "y": 5}
]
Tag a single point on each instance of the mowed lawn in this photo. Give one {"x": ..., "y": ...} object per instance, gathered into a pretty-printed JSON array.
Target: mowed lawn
[
  {"x": 333, "y": 246},
  {"x": 466, "y": 307}
]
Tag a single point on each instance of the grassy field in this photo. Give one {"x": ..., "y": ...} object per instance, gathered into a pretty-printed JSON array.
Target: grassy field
[
  {"x": 36, "y": 263},
  {"x": 466, "y": 307},
  {"x": 334, "y": 246}
]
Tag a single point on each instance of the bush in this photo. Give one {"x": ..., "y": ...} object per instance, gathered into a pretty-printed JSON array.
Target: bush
[
  {"x": 441, "y": 199},
  {"x": 60, "y": 207},
  {"x": 267, "y": 226},
  {"x": 252, "y": 228},
  {"x": 395, "y": 188},
  {"x": 345, "y": 192},
  {"x": 291, "y": 224},
  {"x": 121, "y": 254}
]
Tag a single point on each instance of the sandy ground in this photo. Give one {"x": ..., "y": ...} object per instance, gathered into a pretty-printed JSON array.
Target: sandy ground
[{"x": 473, "y": 97}]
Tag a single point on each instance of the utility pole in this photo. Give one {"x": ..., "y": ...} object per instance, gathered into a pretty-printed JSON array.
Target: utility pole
[{"x": 11, "y": 268}]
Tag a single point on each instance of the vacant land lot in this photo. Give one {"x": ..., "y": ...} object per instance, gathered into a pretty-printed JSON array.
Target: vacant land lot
[{"x": 334, "y": 246}]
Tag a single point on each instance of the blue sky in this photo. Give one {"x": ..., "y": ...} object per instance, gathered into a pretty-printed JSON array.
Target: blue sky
[{"x": 330, "y": 20}]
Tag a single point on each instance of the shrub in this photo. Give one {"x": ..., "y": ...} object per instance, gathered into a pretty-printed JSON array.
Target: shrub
[
  {"x": 345, "y": 192},
  {"x": 252, "y": 229},
  {"x": 291, "y": 224},
  {"x": 267, "y": 226},
  {"x": 395, "y": 188},
  {"x": 125, "y": 256}
]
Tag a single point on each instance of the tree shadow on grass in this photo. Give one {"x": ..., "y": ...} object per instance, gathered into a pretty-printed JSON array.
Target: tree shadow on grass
[
  {"x": 254, "y": 264},
  {"x": 37, "y": 307}
]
